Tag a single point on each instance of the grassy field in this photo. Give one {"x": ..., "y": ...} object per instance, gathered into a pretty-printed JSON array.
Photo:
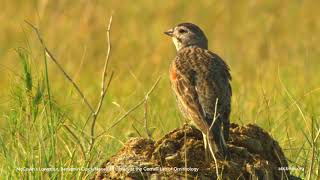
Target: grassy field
[{"x": 271, "y": 47}]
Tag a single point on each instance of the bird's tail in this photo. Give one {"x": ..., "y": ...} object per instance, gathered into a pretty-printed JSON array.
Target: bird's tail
[
  {"x": 216, "y": 140},
  {"x": 226, "y": 127}
]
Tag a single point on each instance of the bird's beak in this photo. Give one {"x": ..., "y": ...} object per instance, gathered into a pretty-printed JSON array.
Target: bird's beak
[{"x": 169, "y": 32}]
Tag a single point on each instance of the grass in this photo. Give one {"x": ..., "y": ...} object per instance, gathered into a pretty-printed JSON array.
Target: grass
[{"x": 271, "y": 47}]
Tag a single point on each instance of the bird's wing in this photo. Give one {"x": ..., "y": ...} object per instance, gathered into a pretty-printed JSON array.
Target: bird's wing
[
  {"x": 224, "y": 70},
  {"x": 212, "y": 84}
]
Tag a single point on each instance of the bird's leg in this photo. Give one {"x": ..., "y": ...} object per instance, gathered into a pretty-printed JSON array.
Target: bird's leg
[
  {"x": 226, "y": 153},
  {"x": 206, "y": 150},
  {"x": 186, "y": 122},
  {"x": 218, "y": 137}
]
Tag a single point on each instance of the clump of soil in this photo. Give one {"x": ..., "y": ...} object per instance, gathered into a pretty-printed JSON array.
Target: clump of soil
[{"x": 180, "y": 155}]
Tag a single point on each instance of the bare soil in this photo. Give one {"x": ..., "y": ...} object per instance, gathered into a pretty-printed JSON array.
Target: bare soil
[{"x": 254, "y": 155}]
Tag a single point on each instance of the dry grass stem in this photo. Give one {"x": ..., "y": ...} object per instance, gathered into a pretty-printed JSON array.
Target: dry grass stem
[
  {"x": 104, "y": 88},
  {"x": 60, "y": 67},
  {"x": 77, "y": 139},
  {"x": 133, "y": 108}
]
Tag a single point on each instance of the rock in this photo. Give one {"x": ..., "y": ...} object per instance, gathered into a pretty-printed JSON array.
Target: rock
[{"x": 180, "y": 155}]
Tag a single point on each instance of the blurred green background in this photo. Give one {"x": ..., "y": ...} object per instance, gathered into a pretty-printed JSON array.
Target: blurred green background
[{"x": 271, "y": 47}]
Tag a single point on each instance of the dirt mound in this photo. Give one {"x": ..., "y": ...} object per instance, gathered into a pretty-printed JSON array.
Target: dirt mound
[{"x": 180, "y": 154}]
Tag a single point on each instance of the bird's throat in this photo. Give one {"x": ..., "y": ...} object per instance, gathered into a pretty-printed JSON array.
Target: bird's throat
[{"x": 177, "y": 43}]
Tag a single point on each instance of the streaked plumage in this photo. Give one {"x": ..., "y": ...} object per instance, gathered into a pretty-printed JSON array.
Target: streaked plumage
[{"x": 199, "y": 79}]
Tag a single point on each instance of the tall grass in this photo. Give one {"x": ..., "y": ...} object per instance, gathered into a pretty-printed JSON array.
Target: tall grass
[
  {"x": 30, "y": 138},
  {"x": 271, "y": 47}
]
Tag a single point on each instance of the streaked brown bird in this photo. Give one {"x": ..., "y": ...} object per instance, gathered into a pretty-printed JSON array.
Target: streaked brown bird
[{"x": 201, "y": 82}]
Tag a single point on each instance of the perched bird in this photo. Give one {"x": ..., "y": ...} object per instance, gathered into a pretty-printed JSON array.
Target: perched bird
[{"x": 200, "y": 80}]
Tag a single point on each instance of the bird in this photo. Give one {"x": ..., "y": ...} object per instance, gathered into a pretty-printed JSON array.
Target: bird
[{"x": 200, "y": 80}]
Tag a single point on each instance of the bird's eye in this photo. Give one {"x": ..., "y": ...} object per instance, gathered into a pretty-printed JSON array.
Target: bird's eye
[{"x": 181, "y": 31}]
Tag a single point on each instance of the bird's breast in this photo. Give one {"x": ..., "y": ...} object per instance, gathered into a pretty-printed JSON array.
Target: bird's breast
[{"x": 173, "y": 73}]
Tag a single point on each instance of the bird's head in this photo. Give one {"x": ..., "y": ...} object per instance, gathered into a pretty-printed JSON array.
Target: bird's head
[{"x": 187, "y": 34}]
